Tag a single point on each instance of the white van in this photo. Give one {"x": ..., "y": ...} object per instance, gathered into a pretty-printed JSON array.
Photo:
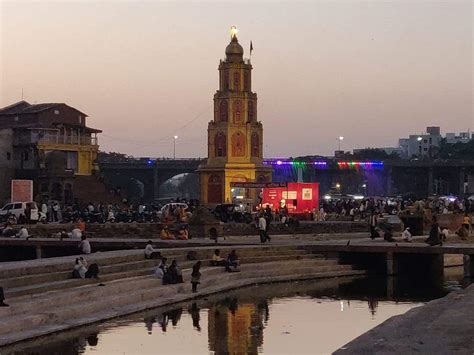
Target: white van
[{"x": 19, "y": 208}]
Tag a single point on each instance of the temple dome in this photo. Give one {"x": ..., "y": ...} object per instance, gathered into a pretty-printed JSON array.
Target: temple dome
[{"x": 234, "y": 51}]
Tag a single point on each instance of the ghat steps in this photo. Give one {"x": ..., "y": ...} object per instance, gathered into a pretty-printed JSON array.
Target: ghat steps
[{"x": 40, "y": 305}]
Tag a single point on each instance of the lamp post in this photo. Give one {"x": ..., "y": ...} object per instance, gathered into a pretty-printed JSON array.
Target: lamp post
[
  {"x": 340, "y": 139},
  {"x": 174, "y": 146}
]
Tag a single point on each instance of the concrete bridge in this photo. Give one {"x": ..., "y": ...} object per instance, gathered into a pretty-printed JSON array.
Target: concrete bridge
[
  {"x": 152, "y": 173},
  {"x": 419, "y": 178}
]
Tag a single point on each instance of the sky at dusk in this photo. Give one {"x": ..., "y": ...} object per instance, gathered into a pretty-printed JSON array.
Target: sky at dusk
[{"x": 144, "y": 71}]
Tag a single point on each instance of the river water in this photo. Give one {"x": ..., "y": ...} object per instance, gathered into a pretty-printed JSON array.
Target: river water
[{"x": 311, "y": 317}]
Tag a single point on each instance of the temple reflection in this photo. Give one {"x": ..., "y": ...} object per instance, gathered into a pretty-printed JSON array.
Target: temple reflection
[{"x": 235, "y": 328}]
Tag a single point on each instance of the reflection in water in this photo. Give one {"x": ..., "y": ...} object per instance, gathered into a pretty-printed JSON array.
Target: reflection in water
[{"x": 314, "y": 316}]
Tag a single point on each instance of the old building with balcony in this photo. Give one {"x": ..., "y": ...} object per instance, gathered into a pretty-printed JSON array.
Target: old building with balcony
[{"x": 48, "y": 143}]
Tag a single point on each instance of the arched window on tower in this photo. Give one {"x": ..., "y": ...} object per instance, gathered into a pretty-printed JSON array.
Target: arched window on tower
[
  {"x": 238, "y": 145},
  {"x": 250, "y": 111},
  {"x": 237, "y": 111},
  {"x": 225, "y": 80},
  {"x": 223, "y": 111},
  {"x": 255, "y": 143},
  {"x": 246, "y": 80},
  {"x": 236, "y": 81},
  {"x": 220, "y": 143}
]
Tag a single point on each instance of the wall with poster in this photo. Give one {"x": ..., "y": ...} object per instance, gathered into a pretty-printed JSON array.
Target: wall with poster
[
  {"x": 299, "y": 197},
  {"x": 22, "y": 191}
]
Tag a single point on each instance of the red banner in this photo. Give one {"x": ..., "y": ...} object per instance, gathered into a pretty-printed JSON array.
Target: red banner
[{"x": 22, "y": 191}]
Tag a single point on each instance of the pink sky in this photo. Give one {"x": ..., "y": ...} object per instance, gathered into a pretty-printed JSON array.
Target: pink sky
[{"x": 146, "y": 71}]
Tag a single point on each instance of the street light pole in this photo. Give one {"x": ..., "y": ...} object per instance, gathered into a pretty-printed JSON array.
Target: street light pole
[
  {"x": 341, "y": 138},
  {"x": 174, "y": 146}
]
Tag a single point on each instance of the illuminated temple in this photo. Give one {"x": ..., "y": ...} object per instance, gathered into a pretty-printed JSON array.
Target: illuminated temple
[{"x": 235, "y": 136}]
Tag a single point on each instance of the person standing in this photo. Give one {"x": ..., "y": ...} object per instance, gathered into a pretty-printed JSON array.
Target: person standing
[
  {"x": 373, "y": 221},
  {"x": 2, "y": 298},
  {"x": 263, "y": 228},
  {"x": 196, "y": 276},
  {"x": 466, "y": 223}
]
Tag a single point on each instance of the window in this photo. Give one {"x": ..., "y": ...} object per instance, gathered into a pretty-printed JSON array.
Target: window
[
  {"x": 223, "y": 111},
  {"x": 25, "y": 156},
  {"x": 220, "y": 143},
  {"x": 9, "y": 156},
  {"x": 225, "y": 80},
  {"x": 250, "y": 111},
  {"x": 255, "y": 145},
  {"x": 17, "y": 206},
  {"x": 8, "y": 207},
  {"x": 237, "y": 111},
  {"x": 236, "y": 81},
  {"x": 425, "y": 141},
  {"x": 238, "y": 144},
  {"x": 425, "y": 149},
  {"x": 431, "y": 140},
  {"x": 246, "y": 80},
  {"x": 56, "y": 112}
]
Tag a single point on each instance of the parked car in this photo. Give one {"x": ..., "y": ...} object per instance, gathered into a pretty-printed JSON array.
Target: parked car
[
  {"x": 19, "y": 209},
  {"x": 230, "y": 212}
]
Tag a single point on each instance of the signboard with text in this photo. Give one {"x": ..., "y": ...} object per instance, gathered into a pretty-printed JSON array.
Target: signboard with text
[
  {"x": 22, "y": 191},
  {"x": 257, "y": 185}
]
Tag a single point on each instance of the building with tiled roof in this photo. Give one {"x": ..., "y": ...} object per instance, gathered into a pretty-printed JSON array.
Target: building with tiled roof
[{"x": 48, "y": 143}]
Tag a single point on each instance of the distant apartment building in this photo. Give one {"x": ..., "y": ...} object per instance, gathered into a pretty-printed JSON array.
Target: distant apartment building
[
  {"x": 427, "y": 144},
  {"x": 48, "y": 143}
]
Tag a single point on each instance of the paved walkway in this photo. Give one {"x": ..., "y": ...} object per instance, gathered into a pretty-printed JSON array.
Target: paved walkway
[{"x": 443, "y": 326}]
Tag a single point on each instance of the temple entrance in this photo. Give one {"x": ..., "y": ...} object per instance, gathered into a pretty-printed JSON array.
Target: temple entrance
[{"x": 214, "y": 189}]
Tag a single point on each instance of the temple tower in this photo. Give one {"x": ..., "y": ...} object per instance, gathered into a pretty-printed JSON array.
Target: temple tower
[{"x": 235, "y": 136}]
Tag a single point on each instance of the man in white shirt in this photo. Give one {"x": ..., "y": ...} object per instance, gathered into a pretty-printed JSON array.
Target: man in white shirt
[
  {"x": 84, "y": 245},
  {"x": 150, "y": 252},
  {"x": 23, "y": 233},
  {"x": 262, "y": 227},
  {"x": 76, "y": 233}
]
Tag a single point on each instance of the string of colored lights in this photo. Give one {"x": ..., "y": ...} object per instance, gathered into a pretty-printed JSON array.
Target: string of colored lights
[{"x": 324, "y": 164}]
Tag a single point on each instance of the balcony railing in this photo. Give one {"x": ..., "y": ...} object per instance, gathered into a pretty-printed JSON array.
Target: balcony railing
[{"x": 53, "y": 138}]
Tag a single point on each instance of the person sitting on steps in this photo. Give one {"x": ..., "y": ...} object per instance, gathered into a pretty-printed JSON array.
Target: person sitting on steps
[
  {"x": 82, "y": 271},
  {"x": 232, "y": 262},
  {"x": 434, "y": 238},
  {"x": 150, "y": 252},
  {"x": 84, "y": 246},
  {"x": 217, "y": 260},
  {"x": 183, "y": 233},
  {"x": 407, "y": 235},
  {"x": 166, "y": 234},
  {"x": 174, "y": 275},
  {"x": 162, "y": 269}
]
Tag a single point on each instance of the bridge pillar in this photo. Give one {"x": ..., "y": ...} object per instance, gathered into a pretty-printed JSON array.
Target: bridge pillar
[
  {"x": 469, "y": 266},
  {"x": 39, "y": 252},
  {"x": 391, "y": 264},
  {"x": 430, "y": 181},
  {"x": 462, "y": 179}
]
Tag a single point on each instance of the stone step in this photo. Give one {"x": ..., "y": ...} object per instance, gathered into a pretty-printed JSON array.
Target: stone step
[
  {"x": 23, "y": 285},
  {"x": 17, "y": 322},
  {"x": 146, "y": 280},
  {"x": 113, "y": 311},
  {"x": 59, "y": 264}
]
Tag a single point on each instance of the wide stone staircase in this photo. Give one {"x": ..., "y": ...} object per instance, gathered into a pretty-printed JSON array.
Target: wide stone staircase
[{"x": 44, "y": 298}]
